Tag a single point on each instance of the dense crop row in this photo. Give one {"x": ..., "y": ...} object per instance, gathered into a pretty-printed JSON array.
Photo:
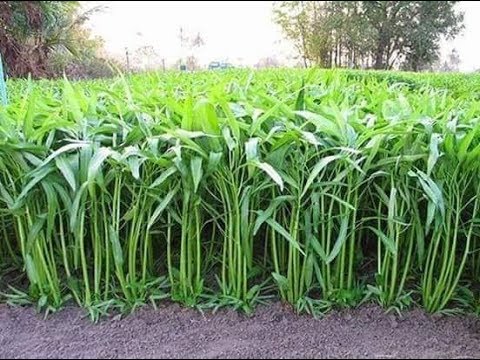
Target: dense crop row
[{"x": 227, "y": 188}]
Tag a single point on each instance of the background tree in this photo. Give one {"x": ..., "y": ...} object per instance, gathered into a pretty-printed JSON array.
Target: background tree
[
  {"x": 147, "y": 57},
  {"x": 267, "y": 62},
  {"x": 189, "y": 45},
  {"x": 378, "y": 34},
  {"x": 451, "y": 63},
  {"x": 294, "y": 18},
  {"x": 430, "y": 22},
  {"x": 195, "y": 44},
  {"x": 454, "y": 60}
]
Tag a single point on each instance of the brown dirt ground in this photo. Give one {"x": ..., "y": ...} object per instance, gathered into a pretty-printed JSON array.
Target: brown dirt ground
[{"x": 273, "y": 332}]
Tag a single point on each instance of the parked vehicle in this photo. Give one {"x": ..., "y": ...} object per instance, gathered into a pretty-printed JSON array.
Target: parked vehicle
[{"x": 219, "y": 65}]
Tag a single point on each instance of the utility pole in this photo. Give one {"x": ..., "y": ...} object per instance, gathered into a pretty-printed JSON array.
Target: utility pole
[
  {"x": 163, "y": 64},
  {"x": 128, "y": 59},
  {"x": 183, "y": 65}
]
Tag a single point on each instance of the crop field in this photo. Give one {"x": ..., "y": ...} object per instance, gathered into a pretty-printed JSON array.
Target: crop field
[{"x": 324, "y": 189}]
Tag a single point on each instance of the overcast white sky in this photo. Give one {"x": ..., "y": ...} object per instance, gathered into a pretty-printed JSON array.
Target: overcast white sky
[{"x": 237, "y": 31}]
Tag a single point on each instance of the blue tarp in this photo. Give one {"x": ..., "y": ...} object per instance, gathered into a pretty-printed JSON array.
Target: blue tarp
[{"x": 3, "y": 85}]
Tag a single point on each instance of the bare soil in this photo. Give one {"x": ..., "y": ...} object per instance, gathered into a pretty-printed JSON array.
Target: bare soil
[{"x": 272, "y": 332}]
